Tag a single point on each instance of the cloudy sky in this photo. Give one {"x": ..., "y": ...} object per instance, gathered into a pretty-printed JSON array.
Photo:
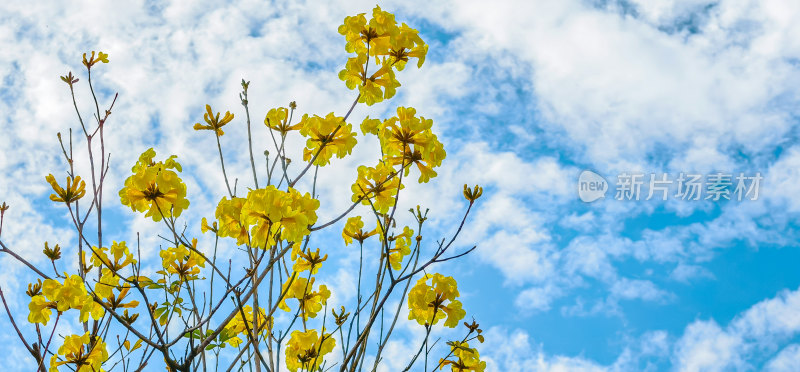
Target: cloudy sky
[{"x": 525, "y": 95}]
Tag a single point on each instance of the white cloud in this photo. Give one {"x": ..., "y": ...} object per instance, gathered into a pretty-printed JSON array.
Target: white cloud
[{"x": 786, "y": 360}]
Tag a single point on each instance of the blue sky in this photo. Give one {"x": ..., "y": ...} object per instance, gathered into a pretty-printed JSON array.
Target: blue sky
[{"x": 525, "y": 95}]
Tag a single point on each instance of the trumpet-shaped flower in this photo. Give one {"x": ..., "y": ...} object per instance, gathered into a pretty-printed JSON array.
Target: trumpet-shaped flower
[
  {"x": 240, "y": 325},
  {"x": 466, "y": 359},
  {"x": 270, "y": 211},
  {"x": 229, "y": 214},
  {"x": 429, "y": 303},
  {"x": 378, "y": 185},
  {"x": 407, "y": 139},
  {"x": 310, "y": 301},
  {"x": 326, "y": 136},
  {"x": 401, "y": 249},
  {"x": 353, "y": 229},
  {"x": 40, "y": 310},
  {"x": 184, "y": 262},
  {"x": 305, "y": 350},
  {"x": 85, "y": 353},
  {"x": 76, "y": 189},
  {"x": 213, "y": 122},
  {"x": 278, "y": 119},
  {"x": 154, "y": 188}
]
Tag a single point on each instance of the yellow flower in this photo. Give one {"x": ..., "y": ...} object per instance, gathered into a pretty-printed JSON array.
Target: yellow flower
[
  {"x": 205, "y": 227},
  {"x": 407, "y": 44},
  {"x": 118, "y": 251},
  {"x": 427, "y": 305},
  {"x": 309, "y": 261},
  {"x": 322, "y": 139},
  {"x": 381, "y": 85},
  {"x": 108, "y": 281},
  {"x": 392, "y": 46},
  {"x": 353, "y": 74},
  {"x": 90, "y": 308},
  {"x": 468, "y": 359},
  {"x": 229, "y": 214},
  {"x": 402, "y": 247},
  {"x": 353, "y": 230},
  {"x": 310, "y": 302},
  {"x": 76, "y": 189},
  {"x": 305, "y": 350},
  {"x": 154, "y": 188},
  {"x": 370, "y": 126},
  {"x": 101, "y": 57},
  {"x": 379, "y": 185},
  {"x": 407, "y": 139},
  {"x": 270, "y": 211},
  {"x": 180, "y": 260},
  {"x": 213, "y": 122},
  {"x": 69, "y": 295},
  {"x": 278, "y": 119},
  {"x": 86, "y": 353},
  {"x": 40, "y": 310},
  {"x": 238, "y": 325}
]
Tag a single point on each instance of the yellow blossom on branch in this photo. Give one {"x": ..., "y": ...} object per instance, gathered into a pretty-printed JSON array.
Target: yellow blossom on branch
[
  {"x": 182, "y": 261},
  {"x": 467, "y": 359},
  {"x": 310, "y": 301},
  {"x": 305, "y": 350},
  {"x": 407, "y": 139},
  {"x": 378, "y": 185},
  {"x": 91, "y": 61},
  {"x": 85, "y": 353},
  {"x": 428, "y": 303},
  {"x": 241, "y": 325},
  {"x": 155, "y": 188},
  {"x": 76, "y": 189},
  {"x": 213, "y": 122},
  {"x": 229, "y": 214},
  {"x": 353, "y": 229},
  {"x": 328, "y": 136},
  {"x": 278, "y": 119},
  {"x": 401, "y": 249},
  {"x": 270, "y": 211}
]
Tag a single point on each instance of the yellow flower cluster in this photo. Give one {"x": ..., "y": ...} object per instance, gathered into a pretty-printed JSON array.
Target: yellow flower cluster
[
  {"x": 427, "y": 305},
  {"x": 86, "y": 353},
  {"x": 401, "y": 249},
  {"x": 309, "y": 261},
  {"x": 278, "y": 119},
  {"x": 181, "y": 260},
  {"x": 407, "y": 138},
  {"x": 76, "y": 189},
  {"x": 71, "y": 294},
  {"x": 270, "y": 211},
  {"x": 468, "y": 359},
  {"x": 305, "y": 350},
  {"x": 311, "y": 302},
  {"x": 229, "y": 214},
  {"x": 120, "y": 253},
  {"x": 155, "y": 188},
  {"x": 390, "y": 44},
  {"x": 353, "y": 229},
  {"x": 328, "y": 136},
  {"x": 213, "y": 122},
  {"x": 239, "y": 325},
  {"x": 378, "y": 186}
]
